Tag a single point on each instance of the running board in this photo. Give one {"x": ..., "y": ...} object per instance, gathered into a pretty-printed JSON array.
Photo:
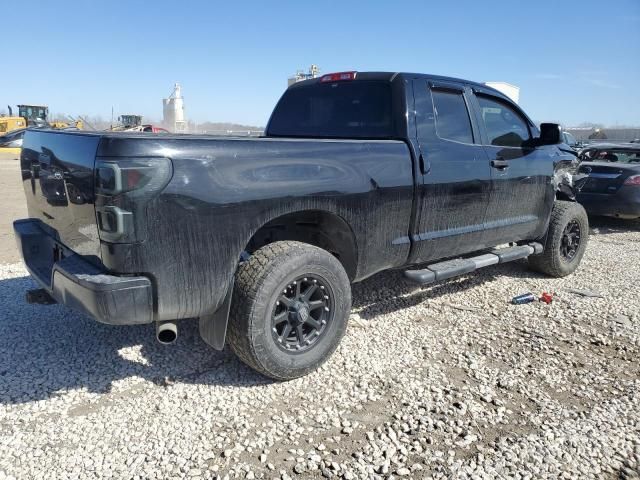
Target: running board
[{"x": 460, "y": 266}]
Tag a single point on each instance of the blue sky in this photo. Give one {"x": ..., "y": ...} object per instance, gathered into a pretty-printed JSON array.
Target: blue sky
[{"x": 574, "y": 60}]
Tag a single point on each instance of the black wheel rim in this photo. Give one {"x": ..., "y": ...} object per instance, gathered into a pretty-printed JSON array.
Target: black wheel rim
[
  {"x": 570, "y": 241},
  {"x": 301, "y": 314}
]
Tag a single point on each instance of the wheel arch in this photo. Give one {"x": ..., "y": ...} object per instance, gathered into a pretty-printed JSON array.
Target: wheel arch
[
  {"x": 321, "y": 228},
  {"x": 566, "y": 193}
]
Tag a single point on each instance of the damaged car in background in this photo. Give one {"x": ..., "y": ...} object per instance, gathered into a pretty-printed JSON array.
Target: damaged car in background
[
  {"x": 611, "y": 186},
  {"x": 261, "y": 238}
]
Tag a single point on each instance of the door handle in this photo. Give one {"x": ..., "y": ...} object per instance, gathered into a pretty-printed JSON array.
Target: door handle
[{"x": 500, "y": 164}]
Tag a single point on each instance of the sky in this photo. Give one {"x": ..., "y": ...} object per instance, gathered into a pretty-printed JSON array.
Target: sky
[{"x": 574, "y": 60}]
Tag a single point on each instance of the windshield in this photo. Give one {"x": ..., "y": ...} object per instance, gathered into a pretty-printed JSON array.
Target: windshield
[
  {"x": 569, "y": 139},
  {"x": 32, "y": 112},
  {"x": 354, "y": 109},
  {"x": 616, "y": 156}
]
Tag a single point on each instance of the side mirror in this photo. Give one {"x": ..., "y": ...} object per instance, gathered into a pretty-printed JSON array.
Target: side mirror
[{"x": 550, "y": 134}]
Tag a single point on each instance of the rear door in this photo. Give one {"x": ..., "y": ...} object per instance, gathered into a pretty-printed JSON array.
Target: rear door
[
  {"x": 522, "y": 191},
  {"x": 455, "y": 177}
]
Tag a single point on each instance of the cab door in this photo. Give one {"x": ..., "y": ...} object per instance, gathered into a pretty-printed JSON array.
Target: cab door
[
  {"x": 522, "y": 192},
  {"x": 455, "y": 178}
]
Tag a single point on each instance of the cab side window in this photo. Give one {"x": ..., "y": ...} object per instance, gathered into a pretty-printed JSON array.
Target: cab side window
[
  {"x": 452, "y": 116},
  {"x": 505, "y": 127}
]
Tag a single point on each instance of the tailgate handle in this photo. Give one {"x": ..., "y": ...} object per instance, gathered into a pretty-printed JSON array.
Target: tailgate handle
[{"x": 499, "y": 163}]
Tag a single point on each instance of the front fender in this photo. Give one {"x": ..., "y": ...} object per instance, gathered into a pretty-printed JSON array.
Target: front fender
[{"x": 564, "y": 172}]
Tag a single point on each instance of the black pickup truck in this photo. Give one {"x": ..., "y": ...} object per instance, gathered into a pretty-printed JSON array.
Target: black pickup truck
[{"x": 260, "y": 238}]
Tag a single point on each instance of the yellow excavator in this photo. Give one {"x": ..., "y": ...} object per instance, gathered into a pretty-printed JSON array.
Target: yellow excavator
[{"x": 33, "y": 116}]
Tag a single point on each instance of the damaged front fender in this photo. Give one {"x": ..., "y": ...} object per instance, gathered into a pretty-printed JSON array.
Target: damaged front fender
[{"x": 566, "y": 180}]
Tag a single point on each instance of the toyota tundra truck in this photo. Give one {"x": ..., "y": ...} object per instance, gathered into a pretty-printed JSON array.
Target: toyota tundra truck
[{"x": 261, "y": 238}]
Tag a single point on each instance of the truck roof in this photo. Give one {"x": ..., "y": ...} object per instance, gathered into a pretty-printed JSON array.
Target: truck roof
[{"x": 390, "y": 76}]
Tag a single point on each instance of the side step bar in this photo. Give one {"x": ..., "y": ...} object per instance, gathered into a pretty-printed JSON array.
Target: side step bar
[{"x": 460, "y": 266}]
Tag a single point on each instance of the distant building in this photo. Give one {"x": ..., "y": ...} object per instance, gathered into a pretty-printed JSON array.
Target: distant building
[
  {"x": 173, "y": 111},
  {"x": 509, "y": 90},
  {"x": 300, "y": 75}
]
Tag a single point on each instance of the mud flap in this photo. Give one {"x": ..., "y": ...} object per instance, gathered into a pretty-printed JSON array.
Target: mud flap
[{"x": 213, "y": 327}]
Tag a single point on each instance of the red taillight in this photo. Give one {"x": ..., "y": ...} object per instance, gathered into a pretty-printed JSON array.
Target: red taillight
[
  {"x": 633, "y": 180},
  {"x": 338, "y": 77},
  {"x": 133, "y": 177},
  {"x": 124, "y": 187}
]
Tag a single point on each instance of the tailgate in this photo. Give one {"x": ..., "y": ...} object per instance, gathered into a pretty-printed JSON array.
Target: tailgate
[{"x": 57, "y": 173}]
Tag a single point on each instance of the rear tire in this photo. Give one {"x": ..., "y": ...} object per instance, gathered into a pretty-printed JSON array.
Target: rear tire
[
  {"x": 273, "y": 327},
  {"x": 566, "y": 240}
]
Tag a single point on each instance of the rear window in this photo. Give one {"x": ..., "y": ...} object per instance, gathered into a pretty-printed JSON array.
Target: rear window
[
  {"x": 452, "y": 117},
  {"x": 358, "y": 109},
  {"x": 615, "y": 156}
]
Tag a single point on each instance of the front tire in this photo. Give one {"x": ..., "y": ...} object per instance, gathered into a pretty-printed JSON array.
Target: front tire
[
  {"x": 289, "y": 309},
  {"x": 566, "y": 240}
]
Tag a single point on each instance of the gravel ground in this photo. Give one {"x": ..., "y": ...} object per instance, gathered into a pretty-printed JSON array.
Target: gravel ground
[{"x": 445, "y": 381}]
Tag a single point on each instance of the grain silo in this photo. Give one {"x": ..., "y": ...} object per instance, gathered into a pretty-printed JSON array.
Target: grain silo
[
  {"x": 300, "y": 75},
  {"x": 173, "y": 111}
]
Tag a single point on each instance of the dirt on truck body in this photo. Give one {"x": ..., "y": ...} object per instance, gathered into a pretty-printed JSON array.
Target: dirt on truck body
[{"x": 260, "y": 238}]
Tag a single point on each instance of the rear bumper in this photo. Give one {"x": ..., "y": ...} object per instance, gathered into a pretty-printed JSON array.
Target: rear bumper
[
  {"x": 75, "y": 282},
  {"x": 625, "y": 203}
]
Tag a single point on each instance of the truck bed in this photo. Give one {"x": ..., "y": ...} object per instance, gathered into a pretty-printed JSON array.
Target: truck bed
[{"x": 221, "y": 192}]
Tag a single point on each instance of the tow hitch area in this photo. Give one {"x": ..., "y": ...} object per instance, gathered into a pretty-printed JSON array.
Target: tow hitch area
[
  {"x": 460, "y": 266},
  {"x": 40, "y": 296}
]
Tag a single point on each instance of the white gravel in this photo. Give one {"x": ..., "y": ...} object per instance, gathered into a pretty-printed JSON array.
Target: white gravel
[{"x": 446, "y": 381}]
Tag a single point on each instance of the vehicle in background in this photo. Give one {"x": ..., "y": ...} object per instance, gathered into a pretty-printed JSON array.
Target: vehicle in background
[
  {"x": 153, "y": 129},
  {"x": 598, "y": 134},
  {"x": 570, "y": 140},
  {"x": 28, "y": 116},
  {"x": 34, "y": 116},
  {"x": 10, "y": 123},
  {"x": 12, "y": 139},
  {"x": 133, "y": 123},
  {"x": 358, "y": 172},
  {"x": 129, "y": 121},
  {"x": 12, "y": 142},
  {"x": 612, "y": 186}
]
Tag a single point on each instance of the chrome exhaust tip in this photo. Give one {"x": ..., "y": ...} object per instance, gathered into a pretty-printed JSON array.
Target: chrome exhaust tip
[{"x": 166, "y": 332}]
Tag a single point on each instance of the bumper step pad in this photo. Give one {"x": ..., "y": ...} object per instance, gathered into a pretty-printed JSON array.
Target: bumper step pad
[
  {"x": 460, "y": 266},
  {"x": 70, "y": 279}
]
